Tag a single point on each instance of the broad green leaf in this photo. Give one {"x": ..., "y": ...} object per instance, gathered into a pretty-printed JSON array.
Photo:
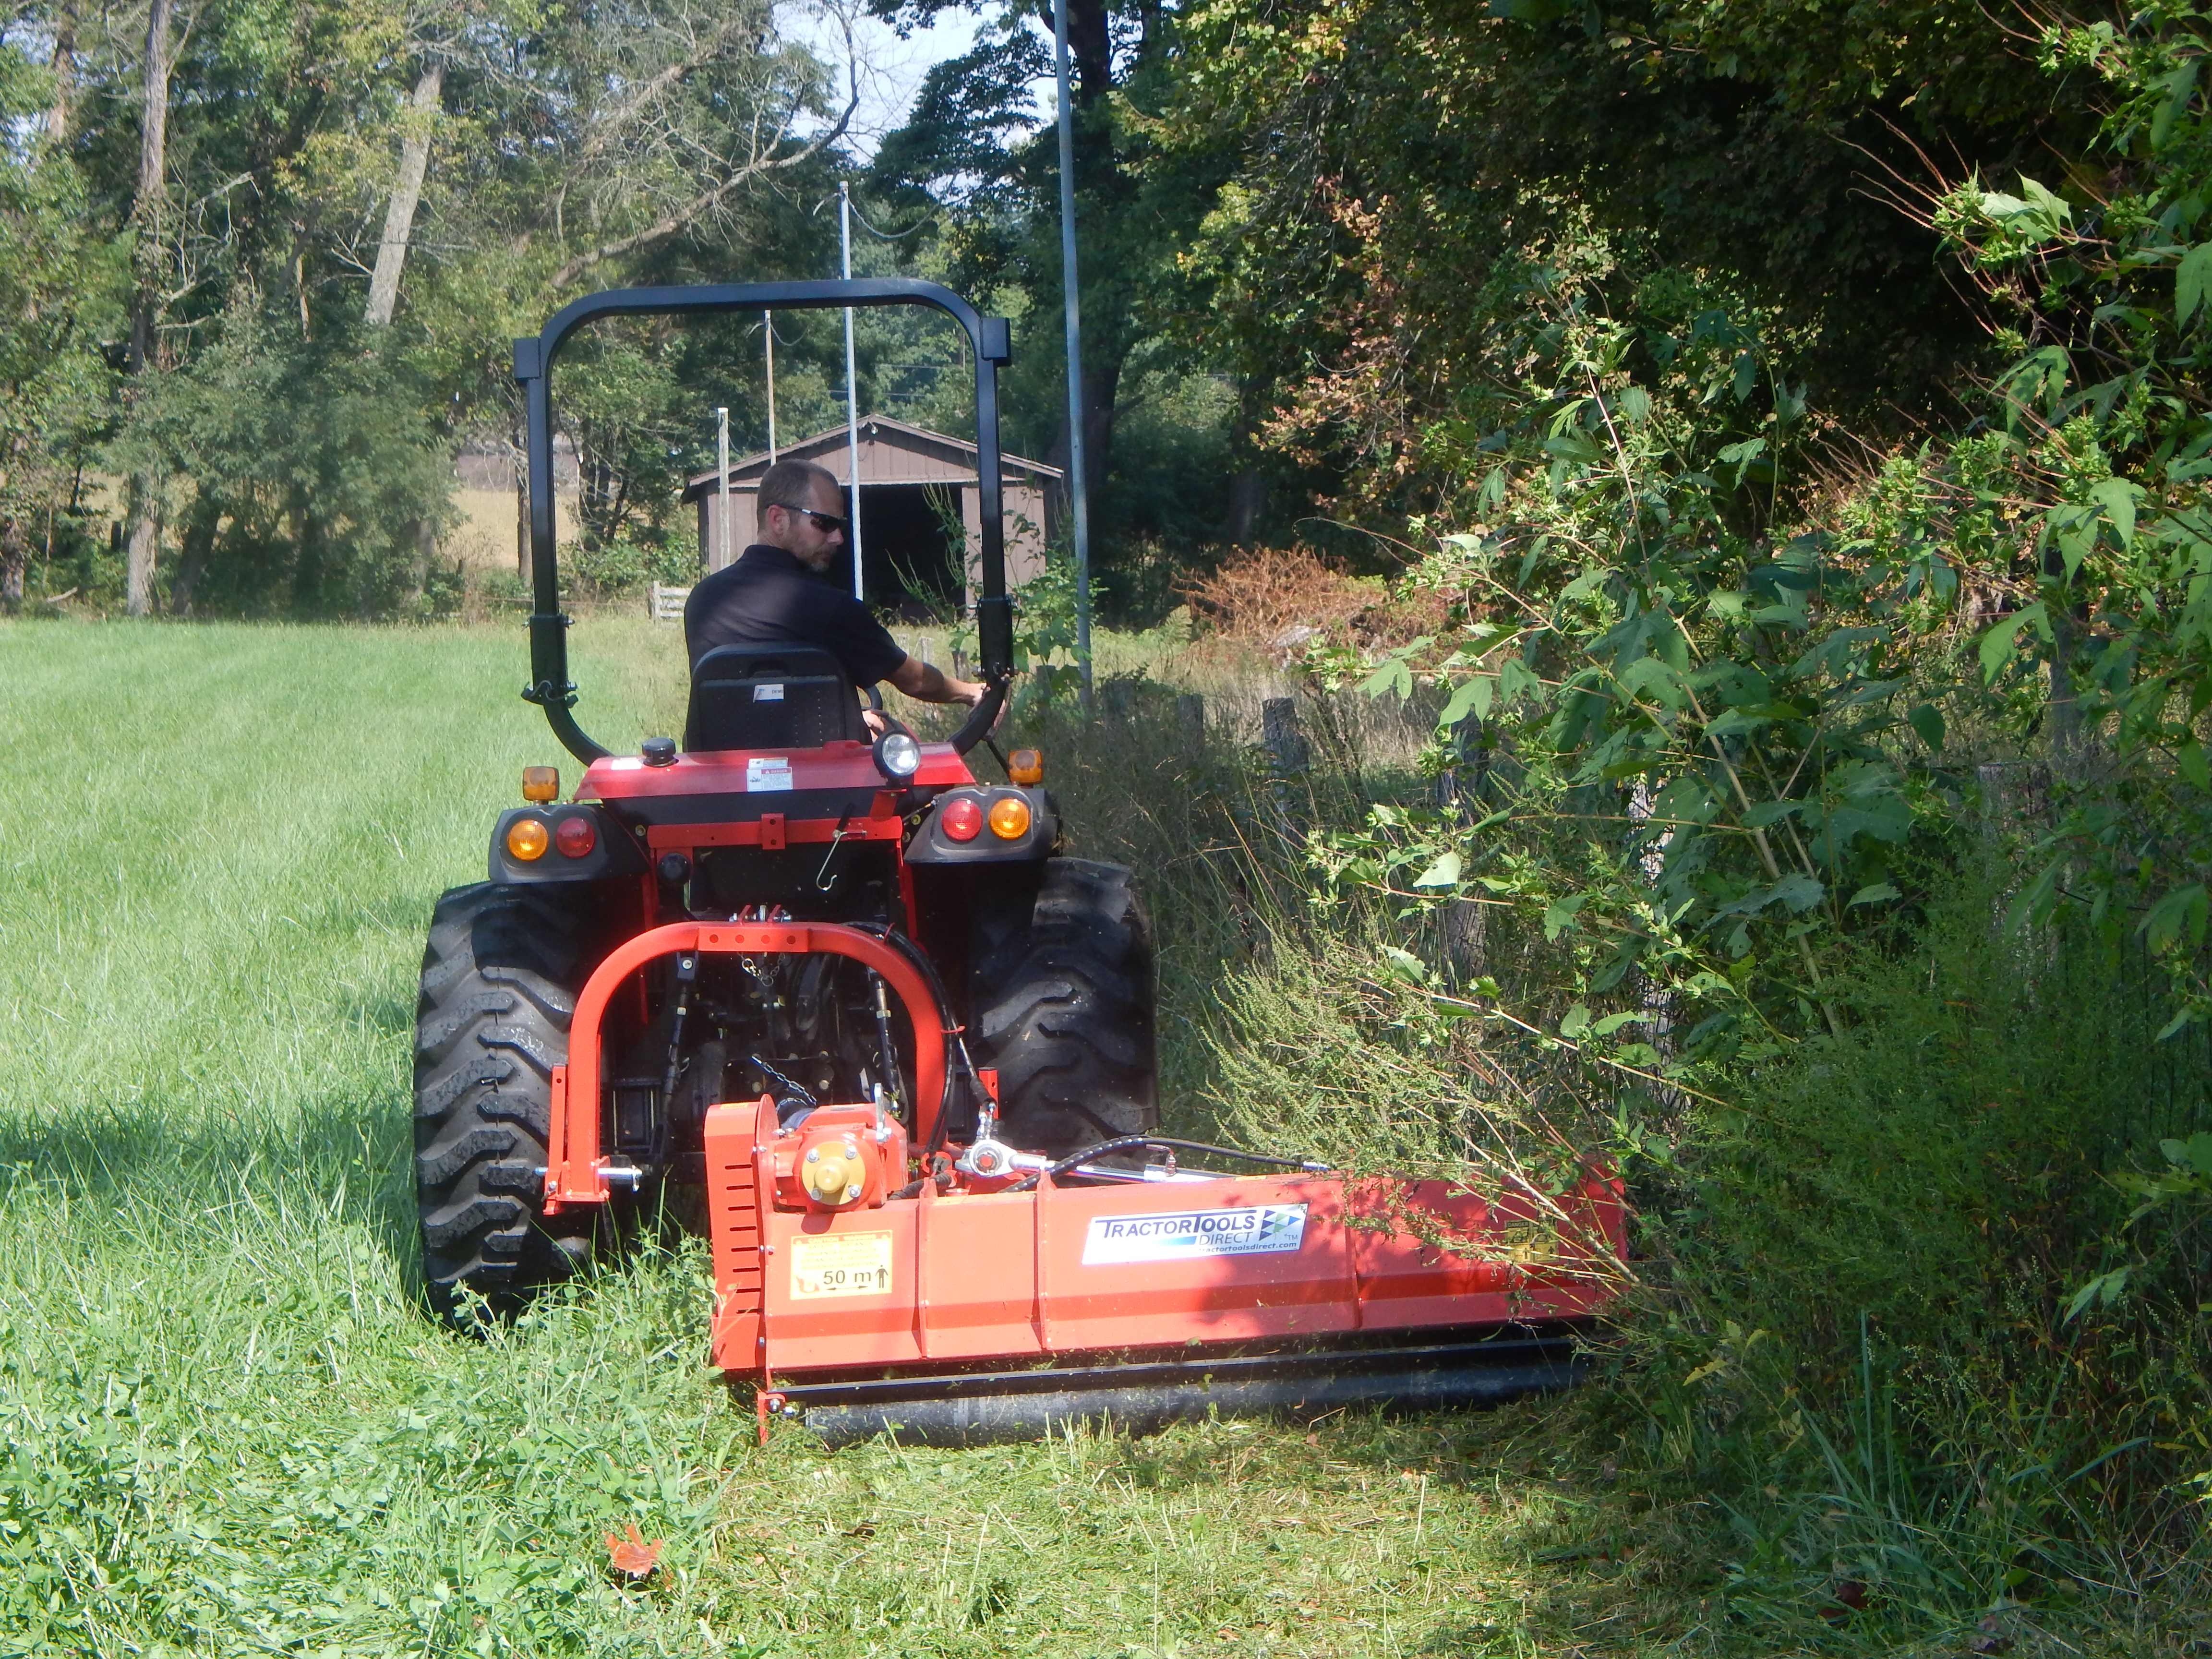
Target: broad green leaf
[
  {"x": 2190, "y": 759},
  {"x": 2177, "y": 918},
  {"x": 2180, "y": 84},
  {"x": 1444, "y": 872},
  {"x": 1998, "y": 645},
  {"x": 1404, "y": 964},
  {"x": 2104, "y": 1290},
  {"x": 2119, "y": 498},
  {"x": 1576, "y": 1023},
  {"x": 1750, "y": 450},
  {"x": 1927, "y": 720},
  {"x": 1798, "y": 893},
  {"x": 1612, "y": 1023},
  {"x": 1880, "y": 893},
  {"x": 2194, "y": 1154},
  {"x": 1390, "y": 676},
  {"x": 2192, "y": 279},
  {"x": 1469, "y": 698},
  {"x": 1516, "y": 679}
]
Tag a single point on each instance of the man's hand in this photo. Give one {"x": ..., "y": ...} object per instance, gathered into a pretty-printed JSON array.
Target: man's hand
[{"x": 926, "y": 683}]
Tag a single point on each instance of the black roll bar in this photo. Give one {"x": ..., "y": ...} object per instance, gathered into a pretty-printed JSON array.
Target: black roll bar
[{"x": 989, "y": 338}]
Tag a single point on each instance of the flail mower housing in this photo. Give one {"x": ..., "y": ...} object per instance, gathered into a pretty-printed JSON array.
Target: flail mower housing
[{"x": 857, "y": 1003}]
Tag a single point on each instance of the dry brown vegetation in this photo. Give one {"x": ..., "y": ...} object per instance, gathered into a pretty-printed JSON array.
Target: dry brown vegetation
[{"x": 1275, "y": 602}]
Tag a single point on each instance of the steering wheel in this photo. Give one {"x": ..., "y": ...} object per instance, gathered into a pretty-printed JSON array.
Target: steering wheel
[{"x": 977, "y": 726}]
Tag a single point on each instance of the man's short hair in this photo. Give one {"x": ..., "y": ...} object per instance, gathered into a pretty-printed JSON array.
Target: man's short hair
[{"x": 792, "y": 483}]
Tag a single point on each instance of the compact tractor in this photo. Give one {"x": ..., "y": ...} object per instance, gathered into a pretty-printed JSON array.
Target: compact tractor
[{"x": 900, "y": 1048}]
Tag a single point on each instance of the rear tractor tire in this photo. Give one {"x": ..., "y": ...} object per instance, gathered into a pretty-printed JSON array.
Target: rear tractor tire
[
  {"x": 500, "y": 978},
  {"x": 1060, "y": 1000}
]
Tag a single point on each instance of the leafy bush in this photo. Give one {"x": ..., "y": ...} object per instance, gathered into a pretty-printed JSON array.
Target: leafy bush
[{"x": 621, "y": 568}]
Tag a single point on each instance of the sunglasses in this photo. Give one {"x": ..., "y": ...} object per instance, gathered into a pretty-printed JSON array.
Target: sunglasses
[{"x": 824, "y": 522}]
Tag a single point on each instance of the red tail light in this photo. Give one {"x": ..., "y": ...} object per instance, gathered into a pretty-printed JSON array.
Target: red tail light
[
  {"x": 962, "y": 819},
  {"x": 576, "y": 836}
]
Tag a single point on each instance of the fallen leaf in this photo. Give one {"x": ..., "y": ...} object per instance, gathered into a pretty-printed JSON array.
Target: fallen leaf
[
  {"x": 1850, "y": 1598},
  {"x": 633, "y": 1555},
  {"x": 862, "y": 1530}
]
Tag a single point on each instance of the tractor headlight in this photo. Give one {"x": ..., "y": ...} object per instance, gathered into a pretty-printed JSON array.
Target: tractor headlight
[{"x": 897, "y": 755}]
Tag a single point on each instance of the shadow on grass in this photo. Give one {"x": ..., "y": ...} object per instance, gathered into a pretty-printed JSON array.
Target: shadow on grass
[{"x": 334, "y": 1141}]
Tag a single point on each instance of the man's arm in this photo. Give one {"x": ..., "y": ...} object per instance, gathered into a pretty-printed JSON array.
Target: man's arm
[{"x": 927, "y": 682}]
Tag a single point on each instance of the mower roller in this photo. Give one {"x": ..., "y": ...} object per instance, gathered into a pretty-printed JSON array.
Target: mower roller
[{"x": 814, "y": 976}]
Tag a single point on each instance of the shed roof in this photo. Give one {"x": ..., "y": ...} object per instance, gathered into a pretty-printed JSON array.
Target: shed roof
[{"x": 892, "y": 452}]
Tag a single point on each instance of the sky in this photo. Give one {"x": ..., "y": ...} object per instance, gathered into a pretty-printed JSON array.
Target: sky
[{"x": 890, "y": 69}]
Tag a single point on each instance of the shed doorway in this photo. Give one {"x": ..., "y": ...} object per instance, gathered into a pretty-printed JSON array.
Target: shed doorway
[{"x": 910, "y": 544}]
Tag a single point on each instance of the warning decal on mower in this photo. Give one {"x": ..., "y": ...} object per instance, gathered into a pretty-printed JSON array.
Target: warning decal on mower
[
  {"x": 767, "y": 773},
  {"x": 839, "y": 1264},
  {"x": 1261, "y": 1229}
]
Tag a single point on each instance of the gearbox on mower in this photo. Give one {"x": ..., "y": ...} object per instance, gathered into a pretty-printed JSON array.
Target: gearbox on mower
[{"x": 901, "y": 1046}]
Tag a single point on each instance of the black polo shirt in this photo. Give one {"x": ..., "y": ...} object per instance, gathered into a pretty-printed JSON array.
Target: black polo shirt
[{"x": 768, "y": 598}]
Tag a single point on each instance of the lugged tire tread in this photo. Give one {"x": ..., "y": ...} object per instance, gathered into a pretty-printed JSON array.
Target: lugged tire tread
[
  {"x": 500, "y": 976},
  {"x": 1061, "y": 1004}
]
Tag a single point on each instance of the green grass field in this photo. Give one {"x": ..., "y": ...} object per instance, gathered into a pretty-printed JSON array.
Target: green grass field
[{"x": 230, "y": 1426}]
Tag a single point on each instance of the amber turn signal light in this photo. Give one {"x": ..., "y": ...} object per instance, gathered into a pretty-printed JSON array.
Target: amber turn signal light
[
  {"x": 526, "y": 839},
  {"x": 1025, "y": 766},
  {"x": 541, "y": 783},
  {"x": 1010, "y": 817}
]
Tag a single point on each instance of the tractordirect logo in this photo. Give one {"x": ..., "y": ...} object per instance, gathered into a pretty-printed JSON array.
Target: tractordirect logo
[{"x": 1260, "y": 1230}]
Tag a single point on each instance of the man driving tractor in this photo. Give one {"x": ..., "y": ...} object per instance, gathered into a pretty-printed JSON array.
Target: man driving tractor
[{"x": 775, "y": 593}]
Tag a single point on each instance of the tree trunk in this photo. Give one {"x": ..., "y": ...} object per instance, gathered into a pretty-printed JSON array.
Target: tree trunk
[
  {"x": 14, "y": 549},
  {"x": 141, "y": 541},
  {"x": 1248, "y": 485},
  {"x": 406, "y": 193},
  {"x": 1090, "y": 47},
  {"x": 143, "y": 536},
  {"x": 522, "y": 565},
  {"x": 65, "y": 73},
  {"x": 424, "y": 534},
  {"x": 1102, "y": 382},
  {"x": 308, "y": 561},
  {"x": 195, "y": 552}
]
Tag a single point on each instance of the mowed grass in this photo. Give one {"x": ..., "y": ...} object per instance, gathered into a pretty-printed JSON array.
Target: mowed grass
[{"x": 231, "y": 1428}]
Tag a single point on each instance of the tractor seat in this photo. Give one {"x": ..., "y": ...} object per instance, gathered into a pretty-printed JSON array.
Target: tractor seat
[{"x": 770, "y": 697}]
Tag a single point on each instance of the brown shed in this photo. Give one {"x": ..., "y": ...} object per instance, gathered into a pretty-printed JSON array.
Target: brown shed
[{"x": 915, "y": 486}]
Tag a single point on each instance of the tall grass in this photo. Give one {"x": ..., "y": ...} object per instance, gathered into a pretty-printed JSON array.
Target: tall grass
[{"x": 230, "y": 1426}]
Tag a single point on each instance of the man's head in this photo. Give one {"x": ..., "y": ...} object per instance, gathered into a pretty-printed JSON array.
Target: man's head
[{"x": 802, "y": 511}]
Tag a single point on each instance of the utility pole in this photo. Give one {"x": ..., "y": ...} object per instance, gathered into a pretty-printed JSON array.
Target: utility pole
[
  {"x": 722, "y": 513},
  {"x": 851, "y": 392},
  {"x": 1077, "y": 488},
  {"x": 768, "y": 334}
]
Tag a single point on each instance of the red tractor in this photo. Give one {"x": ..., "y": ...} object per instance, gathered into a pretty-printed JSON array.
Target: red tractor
[{"x": 860, "y": 1001}]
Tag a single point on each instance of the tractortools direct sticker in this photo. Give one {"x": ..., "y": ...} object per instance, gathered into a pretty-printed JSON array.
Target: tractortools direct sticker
[
  {"x": 1262, "y": 1229},
  {"x": 839, "y": 1264}
]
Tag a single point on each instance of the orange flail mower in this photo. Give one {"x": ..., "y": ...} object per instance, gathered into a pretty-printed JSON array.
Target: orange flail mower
[{"x": 866, "y": 1011}]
